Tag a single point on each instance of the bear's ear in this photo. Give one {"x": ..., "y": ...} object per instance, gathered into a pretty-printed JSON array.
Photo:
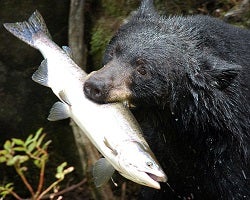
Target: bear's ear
[
  {"x": 146, "y": 9},
  {"x": 223, "y": 72}
]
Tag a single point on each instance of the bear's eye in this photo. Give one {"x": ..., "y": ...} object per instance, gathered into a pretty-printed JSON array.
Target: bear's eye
[
  {"x": 111, "y": 54},
  {"x": 140, "y": 67},
  {"x": 141, "y": 70}
]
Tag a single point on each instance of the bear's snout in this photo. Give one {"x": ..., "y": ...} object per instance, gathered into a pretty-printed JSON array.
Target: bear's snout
[{"x": 95, "y": 89}]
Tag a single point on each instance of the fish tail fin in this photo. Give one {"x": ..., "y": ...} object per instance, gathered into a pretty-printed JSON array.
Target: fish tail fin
[{"x": 28, "y": 31}]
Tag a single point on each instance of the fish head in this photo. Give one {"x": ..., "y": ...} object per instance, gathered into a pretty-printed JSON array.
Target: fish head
[{"x": 140, "y": 165}]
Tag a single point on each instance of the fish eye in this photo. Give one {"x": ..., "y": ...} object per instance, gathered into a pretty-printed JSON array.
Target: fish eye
[{"x": 149, "y": 164}]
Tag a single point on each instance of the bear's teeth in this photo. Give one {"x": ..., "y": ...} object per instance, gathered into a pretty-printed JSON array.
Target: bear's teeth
[{"x": 127, "y": 104}]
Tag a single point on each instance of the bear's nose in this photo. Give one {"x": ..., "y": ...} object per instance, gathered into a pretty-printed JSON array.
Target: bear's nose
[{"x": 94, "y": 89}]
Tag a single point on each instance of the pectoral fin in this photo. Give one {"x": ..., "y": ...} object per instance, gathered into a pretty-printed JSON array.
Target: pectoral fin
[
  {"x": 102, "y": 172},
  {"x": 41, "y": 74},
  {"x": 106, "y": 142},
  {"x": 59, "y": 111}
]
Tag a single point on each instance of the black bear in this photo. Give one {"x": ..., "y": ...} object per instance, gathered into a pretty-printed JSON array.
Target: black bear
[{"x": 188, "y": 79}]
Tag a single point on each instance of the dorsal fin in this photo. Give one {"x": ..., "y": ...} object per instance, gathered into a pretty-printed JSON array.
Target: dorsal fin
[{"x": 41, "y": 74}]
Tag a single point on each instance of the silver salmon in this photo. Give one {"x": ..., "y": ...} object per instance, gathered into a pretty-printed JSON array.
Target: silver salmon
[{"x": 110, "y": 127}]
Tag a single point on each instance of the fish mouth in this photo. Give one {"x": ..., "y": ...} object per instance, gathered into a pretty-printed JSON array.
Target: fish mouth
[
  {"x": 146, "y": 178},
  {"x": 153, "y": 180},
  {"x": 157, "y": 178}
]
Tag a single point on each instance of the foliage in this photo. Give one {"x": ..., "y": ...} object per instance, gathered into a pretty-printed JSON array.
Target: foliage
[
  {"x": 112, "y": 14},
  {"x": 119, "y": 8},
  {"x": 111, "y": 17},
  {"x": 17, "y": 153},
  {"x": 99, "y": 40}
]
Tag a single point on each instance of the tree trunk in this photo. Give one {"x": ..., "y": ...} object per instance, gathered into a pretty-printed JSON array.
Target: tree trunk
[{"x": 87, "y": 152}]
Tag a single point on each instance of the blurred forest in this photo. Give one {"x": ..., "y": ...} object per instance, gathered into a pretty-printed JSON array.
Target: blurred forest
[{"x": 86, "y": 26}]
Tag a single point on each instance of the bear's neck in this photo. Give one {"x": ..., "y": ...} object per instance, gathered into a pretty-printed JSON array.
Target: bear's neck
[{"x": 210, "y": 115}]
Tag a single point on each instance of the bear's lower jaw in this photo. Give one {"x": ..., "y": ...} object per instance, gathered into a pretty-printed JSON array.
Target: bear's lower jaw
[{"x": 119, "y": 95}]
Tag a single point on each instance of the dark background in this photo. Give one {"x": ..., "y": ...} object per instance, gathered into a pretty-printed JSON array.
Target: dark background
[{"x": 24, "y": 105}]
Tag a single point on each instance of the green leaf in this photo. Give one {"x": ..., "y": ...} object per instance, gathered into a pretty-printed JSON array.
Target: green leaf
[
  {"x": 3, "y": 152},
  {"x": 38, "y": 133},
  {"x": 4, "y": 193},
  {"x": 31, "y": 146},
  {"x": 23, "y": 158},
  {"x": 28, "y": 140},
  {"x": 60, "y": 168},
  {"x": 9, "y": 185},
  {"x": 5, "y": 190},
  {"x": 37, "y": 163},
  {"x": 18, "y": 141},
  {"x": 2, "y": 159},
  {"x": 19, "y": 149},
  {"x": 39, "y": 141},
  {"x": 23, "y": 169},
  {"x": 7, "y": 145},
  {"x": 10, "y": 162},
  {"x": 37, "y": 154},
  {"x": 44, "y": 157},
  {"x": 45, "y": 146},
  {"x": 59, "y": 175},
  {"x": 16, "y": 159}
]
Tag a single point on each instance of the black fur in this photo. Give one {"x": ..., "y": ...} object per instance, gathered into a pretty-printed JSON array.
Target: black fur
[{"x": 189, "y": 79}]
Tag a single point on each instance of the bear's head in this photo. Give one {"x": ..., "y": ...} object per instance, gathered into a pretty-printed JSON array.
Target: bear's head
[{"x": 154, "y": 60}]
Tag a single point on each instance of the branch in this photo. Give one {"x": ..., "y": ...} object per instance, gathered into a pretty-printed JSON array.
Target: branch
[
  {"x": 41, "y": 179},
  {"x": 88, "y": 153},
  {"x": 15, "y": 195},
  {"x": 49, "y": 188},
  {"x": 123, "y": 195},
  {"x": 76, "y": 32},
  {"x": 68, "y": 189},
  {"x": 25, "y": 181}
]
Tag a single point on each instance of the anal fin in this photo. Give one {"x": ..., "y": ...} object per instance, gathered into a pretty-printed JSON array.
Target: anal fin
[
  {"x": 59, "y": 111},
  {"x": 102, "y": 172}
]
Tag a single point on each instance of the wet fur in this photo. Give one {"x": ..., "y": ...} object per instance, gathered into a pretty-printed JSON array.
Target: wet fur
[{"x": 193, "y": 103}]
